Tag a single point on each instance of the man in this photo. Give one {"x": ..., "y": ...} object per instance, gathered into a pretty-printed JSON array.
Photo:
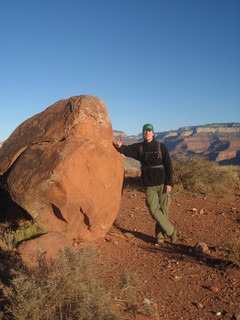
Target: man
[{"x": 157, "y": 179}]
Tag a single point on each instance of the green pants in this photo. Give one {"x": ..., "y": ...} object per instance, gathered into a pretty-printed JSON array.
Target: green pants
[{"x": 159, "y": 202}]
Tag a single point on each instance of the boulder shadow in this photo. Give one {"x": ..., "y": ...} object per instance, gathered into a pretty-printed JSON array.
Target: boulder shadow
[
  {"x": 10, "y": 211},
  {"x": 144, "y": 237}
]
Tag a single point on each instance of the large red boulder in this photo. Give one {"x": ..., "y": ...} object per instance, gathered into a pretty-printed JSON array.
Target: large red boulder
[{"x": 61, "y": 168}]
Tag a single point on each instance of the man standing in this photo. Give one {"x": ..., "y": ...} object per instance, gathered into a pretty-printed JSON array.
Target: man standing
[{"x": 157, "y": 179}]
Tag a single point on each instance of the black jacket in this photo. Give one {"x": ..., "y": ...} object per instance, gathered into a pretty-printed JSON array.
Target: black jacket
[{"x": 147, "y": 154}]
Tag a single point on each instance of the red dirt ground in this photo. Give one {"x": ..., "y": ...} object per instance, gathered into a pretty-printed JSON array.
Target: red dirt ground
[{"x": 183, "y": 283}]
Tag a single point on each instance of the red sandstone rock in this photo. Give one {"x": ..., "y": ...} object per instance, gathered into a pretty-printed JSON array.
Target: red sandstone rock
[
  {"x": 49, "y": 245},
  {"x": 63, "y": 168}
]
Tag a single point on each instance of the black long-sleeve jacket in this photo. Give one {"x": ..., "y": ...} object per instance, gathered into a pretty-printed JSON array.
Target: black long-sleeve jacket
[{"x": 153, "y": 174}]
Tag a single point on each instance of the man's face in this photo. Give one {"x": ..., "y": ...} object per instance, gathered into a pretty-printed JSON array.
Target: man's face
[{"x": 148, "y": 135}]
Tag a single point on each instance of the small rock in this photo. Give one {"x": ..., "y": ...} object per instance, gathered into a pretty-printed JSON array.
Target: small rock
[
  {"x": 151, "y": 307},
  {"x": 129, "y": 235},
  {"x": 147, "y": 302},
  {"x": 200, "y": 306},
  {"x": 201, "y": 247},
  {"x": 201, "y": 211},
  {"x": 214, "y": 289},
  {"x": 218, "y": 314}
]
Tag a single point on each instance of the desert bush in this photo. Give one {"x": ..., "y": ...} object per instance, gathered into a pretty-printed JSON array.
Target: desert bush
[
  {"x": 132, "y": 171},
  {"x": 128, "y": 284},
  {"x": 25, "y": 229},
  {"x": 232, "y": 249},
  {"x": 131, "y": 167},
  {"x": 129, "y": 297},
  {"x": 61, "y": 289},
  {"x": 195, "y": 174},
  {"x": 201, "y": 176}
]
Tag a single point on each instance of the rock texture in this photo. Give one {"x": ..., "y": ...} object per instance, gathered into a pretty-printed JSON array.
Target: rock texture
[
  {"x": 61, "y": 168},
  {"x": 49, "y": 245}
]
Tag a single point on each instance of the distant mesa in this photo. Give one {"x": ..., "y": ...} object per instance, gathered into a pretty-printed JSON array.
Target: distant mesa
[{"x": 218, "y": 142}]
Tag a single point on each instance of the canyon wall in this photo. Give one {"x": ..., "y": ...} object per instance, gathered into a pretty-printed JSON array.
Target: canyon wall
[{"x": 214, "y": 142}]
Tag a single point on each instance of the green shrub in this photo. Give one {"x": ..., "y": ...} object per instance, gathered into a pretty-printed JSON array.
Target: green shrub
[
  {"x": 62, "y": 289},
  {"x": 25, "y": 230},
  {"x": 201, "y": 176}
]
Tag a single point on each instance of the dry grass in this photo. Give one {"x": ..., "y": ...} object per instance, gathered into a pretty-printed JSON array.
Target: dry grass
[
  {"x": 130, "y": 299},
  {"x": 63, "y": 289},
  {"x": 232, "y": 249},
  {"x": 66, "y": 288},
  {"x": 132, "y": 167},
  {"x": 195, "y": 174},
  {"x": 201, "y": 176},
  {"x": 10, "y": 236}
]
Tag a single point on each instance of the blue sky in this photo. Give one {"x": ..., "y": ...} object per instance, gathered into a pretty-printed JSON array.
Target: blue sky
[{"x": 172, "y": 63}]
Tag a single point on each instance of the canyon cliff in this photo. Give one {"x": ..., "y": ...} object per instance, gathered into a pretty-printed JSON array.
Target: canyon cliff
[{"x": 214, "y": 142}]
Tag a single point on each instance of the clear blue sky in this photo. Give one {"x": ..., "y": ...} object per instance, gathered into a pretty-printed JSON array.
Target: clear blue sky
[{"x": 172, "y": 63}]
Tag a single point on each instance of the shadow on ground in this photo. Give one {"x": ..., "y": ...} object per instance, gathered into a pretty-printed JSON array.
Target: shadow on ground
[{"x": 178, "y": 251}]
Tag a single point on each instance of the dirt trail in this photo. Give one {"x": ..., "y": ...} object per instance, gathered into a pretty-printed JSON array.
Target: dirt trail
[{"x": 182, "y": 282}]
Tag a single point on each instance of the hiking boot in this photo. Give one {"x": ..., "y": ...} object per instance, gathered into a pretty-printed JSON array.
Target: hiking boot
[{"x": 174, "y": 236}]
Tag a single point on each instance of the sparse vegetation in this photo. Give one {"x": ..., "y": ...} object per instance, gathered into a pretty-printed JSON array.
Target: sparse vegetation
[
  {"x": 233, "y": 252},
  {"x": 67, "y": 288},
  {"x": 25, "y": 229},
  {"x": 195, "y": 174},
  {"x": 132, "y": 167},
  {"x": 128, "y": 292},
  {"x": 61, "y": 289},
  {"x": 130, "y": 298},
  {"x": 201, "y": 176}
]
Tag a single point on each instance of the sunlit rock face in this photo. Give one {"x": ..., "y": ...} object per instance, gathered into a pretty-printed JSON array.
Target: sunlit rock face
[{"x": 61, "y": 168}]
